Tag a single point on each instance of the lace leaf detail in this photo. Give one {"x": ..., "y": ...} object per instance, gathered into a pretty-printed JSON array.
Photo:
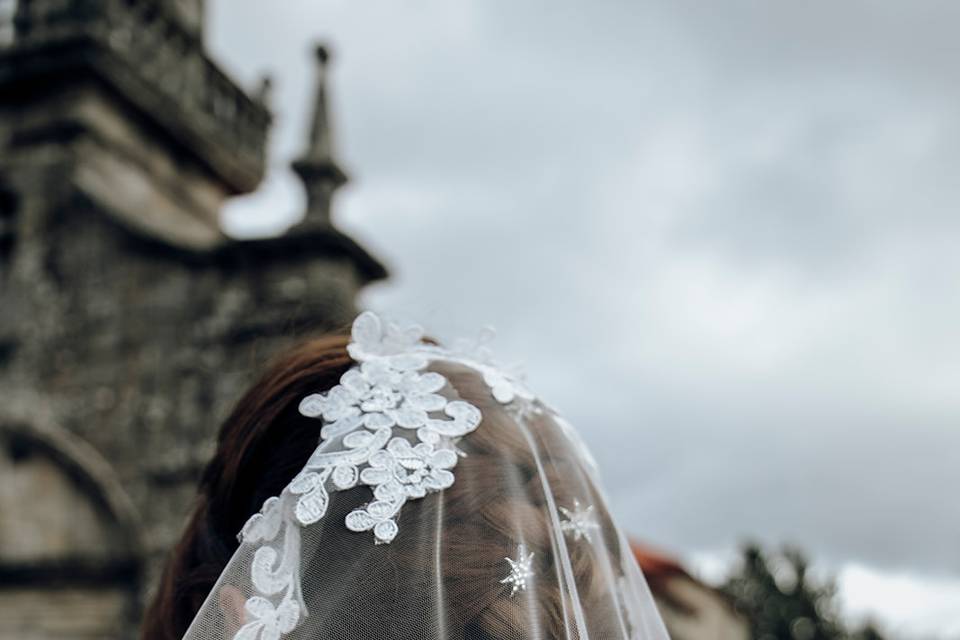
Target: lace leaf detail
[
  {"x": 345, "y": 476},
  {"x": 270, "y": 622},
  {"x": 267, "y": 578},
  {"x": 264, "y": 525},
  {"x": 377, "y": 515},
  {"x": 312, "y": 505},
  {"x": 366, "y": 330},
  {"x": 305, "y": 483}
]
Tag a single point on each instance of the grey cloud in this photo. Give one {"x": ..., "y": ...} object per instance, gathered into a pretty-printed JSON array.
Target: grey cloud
[{"x": 722, "y": 235}]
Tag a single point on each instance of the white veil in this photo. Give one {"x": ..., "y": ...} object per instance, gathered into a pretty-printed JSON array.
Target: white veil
[{"x": 444, "y": 501}]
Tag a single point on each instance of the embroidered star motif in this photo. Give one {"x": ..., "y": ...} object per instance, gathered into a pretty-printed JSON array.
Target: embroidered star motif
[
  {"x": 521, "y": 570},
  {"x": 579, "y": 521}
]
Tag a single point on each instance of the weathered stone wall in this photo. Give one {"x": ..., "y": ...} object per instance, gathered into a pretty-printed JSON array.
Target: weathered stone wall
[
  {"x": 68, "y": 547},
  {"x": 143, "y": 347},
  {"x": 140, "y": 349},
  {"x": 129, "y": 323}
]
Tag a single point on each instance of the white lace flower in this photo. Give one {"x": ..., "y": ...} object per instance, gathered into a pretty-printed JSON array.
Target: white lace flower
[
  {"x": 378, "y": 515},
  {"x": 312, "y": 497},
  {"x": 404, "y": 471},
  {"x": 264, "y": 525},
  {"x": 269, "y": 622},
  {"x": 400, "y": 472},
  {"x": 381, "y": 393},
  {"x": 465, "y": 418},
  {"x": 372, "y": 338},
  {"x": 342, "y": 468}
]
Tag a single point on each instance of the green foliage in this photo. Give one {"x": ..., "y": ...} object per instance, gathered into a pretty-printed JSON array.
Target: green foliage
[{"x": 776, "y": 594}]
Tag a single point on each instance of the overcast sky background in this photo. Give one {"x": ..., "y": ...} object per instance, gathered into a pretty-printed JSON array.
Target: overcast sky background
[{"x": 722, "y": 236}]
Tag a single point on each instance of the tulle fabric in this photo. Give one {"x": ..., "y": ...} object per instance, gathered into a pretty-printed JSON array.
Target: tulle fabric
[{"x": 525, "y": 488}]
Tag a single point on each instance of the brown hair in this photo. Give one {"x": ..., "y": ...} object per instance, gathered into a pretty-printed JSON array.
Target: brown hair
[{"x": 499, "y": 498}]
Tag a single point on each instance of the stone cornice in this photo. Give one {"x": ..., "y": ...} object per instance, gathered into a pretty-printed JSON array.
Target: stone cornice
[{"x": 153, "y": 61}]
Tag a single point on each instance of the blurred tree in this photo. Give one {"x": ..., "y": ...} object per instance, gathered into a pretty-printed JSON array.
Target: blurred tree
[{"x": 776, "y": 594}]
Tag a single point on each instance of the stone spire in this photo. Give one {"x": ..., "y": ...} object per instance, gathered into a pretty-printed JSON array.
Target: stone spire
[{"x": 318, "y": 171}]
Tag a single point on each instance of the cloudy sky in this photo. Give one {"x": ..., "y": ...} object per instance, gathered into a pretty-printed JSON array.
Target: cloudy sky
[{"x": 721, "y": 236}]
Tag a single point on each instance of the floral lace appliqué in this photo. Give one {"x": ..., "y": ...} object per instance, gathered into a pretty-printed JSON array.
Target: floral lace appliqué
[
  {"x": 387, "y": 394},
  {"x": 386, "y": 427}
]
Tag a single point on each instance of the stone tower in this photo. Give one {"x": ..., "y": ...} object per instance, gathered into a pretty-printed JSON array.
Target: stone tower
[{"x": 129, "y": 322}]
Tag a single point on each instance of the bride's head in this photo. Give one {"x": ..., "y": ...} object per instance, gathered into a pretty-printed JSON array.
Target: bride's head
[{"x": 524, "y": 491}]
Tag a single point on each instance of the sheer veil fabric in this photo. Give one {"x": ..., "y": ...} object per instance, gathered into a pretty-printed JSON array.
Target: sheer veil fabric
[{"x": 444, "y": 500}]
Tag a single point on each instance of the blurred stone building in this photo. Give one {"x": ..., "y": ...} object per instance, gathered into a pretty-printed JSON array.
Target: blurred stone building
[
  {"x": 691, "y": 609},
  {"x": 129, "y": 321}
]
